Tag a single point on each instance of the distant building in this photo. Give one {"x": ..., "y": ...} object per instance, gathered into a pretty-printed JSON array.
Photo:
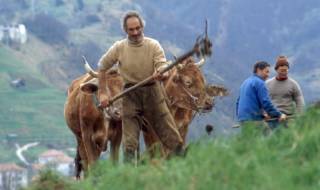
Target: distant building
[
  {"x": 12, "y": 176},
  {"x": 13, "y": 33},
  {"x": 18, "y": 83},
  {"x": 57, "y": 160}
]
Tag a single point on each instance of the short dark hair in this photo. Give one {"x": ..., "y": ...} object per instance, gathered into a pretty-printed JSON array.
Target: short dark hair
[
  {"x": 131, "y": 14},
  {"x": 260, "y": 65}
]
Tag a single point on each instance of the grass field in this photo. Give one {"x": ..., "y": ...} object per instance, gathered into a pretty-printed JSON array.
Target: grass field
[
  {"x": 286, "y": 159},
  {"x": 35, "y": 110}
]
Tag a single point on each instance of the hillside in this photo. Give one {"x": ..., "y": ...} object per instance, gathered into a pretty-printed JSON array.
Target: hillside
[
  {"x": 61, "y": 31},
  {"x": 286, "y": 159},
  {"x": 46, "y": 64},
  {"x": 33, "y": 112},
  {"x": 242, "y": 33}
]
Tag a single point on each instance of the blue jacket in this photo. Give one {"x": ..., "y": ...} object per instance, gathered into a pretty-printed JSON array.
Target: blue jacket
[{"x": 253, "y": 100}]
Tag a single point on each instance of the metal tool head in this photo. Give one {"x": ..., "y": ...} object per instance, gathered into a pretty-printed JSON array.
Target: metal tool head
[{"x": 203, "y": 45}]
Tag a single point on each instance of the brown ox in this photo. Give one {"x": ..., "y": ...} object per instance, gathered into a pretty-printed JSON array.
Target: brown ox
[
  {"x": 187, "y": 94},
  {"x": 92, "y": 127}
]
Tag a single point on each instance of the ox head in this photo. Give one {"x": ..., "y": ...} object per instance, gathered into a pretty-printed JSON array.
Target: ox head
[
  {"x": 187, "y": 88},
  {"x": 114, "y": 85}
]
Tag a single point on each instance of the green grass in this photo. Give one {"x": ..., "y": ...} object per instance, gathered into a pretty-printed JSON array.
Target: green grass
[
  {"x": 8, "y": 153},
  {"x": 286, "y": 159},
  {"x": 8, "y": 63},
  {"x": 50, "y": 180},
  {"x": 35, "y": 110}
]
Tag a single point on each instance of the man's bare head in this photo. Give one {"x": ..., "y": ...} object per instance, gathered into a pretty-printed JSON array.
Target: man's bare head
[{"x": 133, "y": 25}]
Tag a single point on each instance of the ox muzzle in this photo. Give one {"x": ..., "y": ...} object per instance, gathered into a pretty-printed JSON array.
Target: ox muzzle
[{"x": 111, "y": 112}]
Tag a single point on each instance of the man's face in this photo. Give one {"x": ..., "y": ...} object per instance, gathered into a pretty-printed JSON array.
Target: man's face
[
  {"x": 283, "y": 71},
  {"x": 134, "y": 29},
  {"x": 264, "y": 73}
]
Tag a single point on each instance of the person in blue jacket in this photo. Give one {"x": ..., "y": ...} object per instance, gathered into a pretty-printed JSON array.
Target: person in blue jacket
[{"x": 254, "y": 104}]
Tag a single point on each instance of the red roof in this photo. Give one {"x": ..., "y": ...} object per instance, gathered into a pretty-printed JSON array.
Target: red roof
[
  {"x": 57, "y": 155},
  {"x": 10, "y": 167},
  {"x": 52, "y": 153}
]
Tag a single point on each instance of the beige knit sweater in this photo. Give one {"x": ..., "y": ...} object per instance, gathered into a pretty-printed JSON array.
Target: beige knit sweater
[
  {"x": 286, "y": 95},
  {"x": 136, "y": 61}
]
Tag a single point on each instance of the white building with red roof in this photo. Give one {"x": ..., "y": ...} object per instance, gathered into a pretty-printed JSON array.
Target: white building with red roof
[
  {"x": 12, "y": 176},
  {"x": 57, "y": 160}
]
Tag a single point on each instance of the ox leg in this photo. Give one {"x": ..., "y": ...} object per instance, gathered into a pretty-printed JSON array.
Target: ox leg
[
  {"x": 116, "y": 140},
  {"x": 80, "y": 159},
  {"x": 115, "y": 146},
  {"x": 83, "y": 156},
  {"x": 183, "y": 130},
  {"x": 153, "y": 143},
  {"x": 78, "y": 165},
  {"x": 91, "y": 151}
]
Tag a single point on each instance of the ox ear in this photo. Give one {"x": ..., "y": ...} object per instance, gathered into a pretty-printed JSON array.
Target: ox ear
[
  {"x": 215, "y": 90},
  {"x": 179, "y": 66},
  {"x": 89, "y": 87}
]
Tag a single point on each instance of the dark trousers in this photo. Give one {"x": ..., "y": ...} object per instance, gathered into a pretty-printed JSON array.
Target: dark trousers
[{"x": 147, "y": 106}]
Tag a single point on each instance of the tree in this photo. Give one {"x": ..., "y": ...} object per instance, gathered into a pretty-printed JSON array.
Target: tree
[{"x": 48, "y": 28}]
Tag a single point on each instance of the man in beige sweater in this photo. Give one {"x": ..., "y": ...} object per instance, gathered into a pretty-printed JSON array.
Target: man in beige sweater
[
  {"x": 140, "y": 57},
  {"x": 285, "y": 92}
]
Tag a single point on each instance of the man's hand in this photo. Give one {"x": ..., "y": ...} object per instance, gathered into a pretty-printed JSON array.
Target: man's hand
[
  {"x": 266, "y": 117},
  {"x": 158, "y": 76},
  {"x": 104, "y": 101},
  {"x": 283, "y": 117}
]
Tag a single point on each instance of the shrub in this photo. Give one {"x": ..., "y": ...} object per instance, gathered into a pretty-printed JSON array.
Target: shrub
[{"x": 50, "y": 180}]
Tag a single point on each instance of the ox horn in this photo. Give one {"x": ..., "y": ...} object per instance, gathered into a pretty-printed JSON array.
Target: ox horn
[
  {"x": 89, "y": 69},
  {"x": 200, "y": 63},
  {"x": 179, "y": 66}
]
